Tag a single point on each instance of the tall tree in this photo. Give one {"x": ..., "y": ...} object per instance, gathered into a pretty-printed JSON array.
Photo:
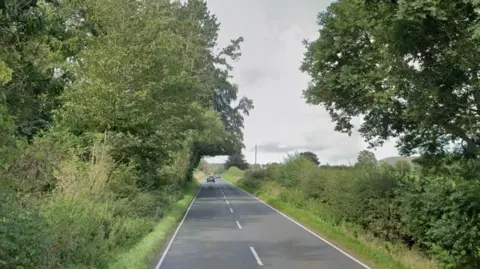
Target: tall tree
[
  {"x": 311, "y": 156},
  {"x": 158, "y": 97},
  {"x": 410, "y": 68},
  {"x": 366, "y": 157},
  {"x": 237, "y": 160},
  {"x": 214, "y": 73},
  {"x": 36, "y": 38}
]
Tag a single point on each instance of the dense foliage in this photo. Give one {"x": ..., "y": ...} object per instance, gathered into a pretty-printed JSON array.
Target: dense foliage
[
  {"x": 434, "y": 214},
  {"x": 311, "y": 156},
  {"x": 106, "y": 108},
  {"x": 411, "y": 70},
  {"x": 236, "y": 160}
]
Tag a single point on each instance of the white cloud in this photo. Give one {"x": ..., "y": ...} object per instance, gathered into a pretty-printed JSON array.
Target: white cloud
[{"x": 268, "y": 72}]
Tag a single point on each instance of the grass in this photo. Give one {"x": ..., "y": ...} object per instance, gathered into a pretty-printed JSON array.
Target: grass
[
  {"x": 199, "y": 176},
  {"x": 142, "y": 255},
  {"x": 234, "y": 174},
  {"x": 353, "y": 240}
]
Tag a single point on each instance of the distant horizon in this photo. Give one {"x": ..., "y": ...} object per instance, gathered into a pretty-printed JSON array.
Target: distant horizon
[{"x": 351, "y": 162}]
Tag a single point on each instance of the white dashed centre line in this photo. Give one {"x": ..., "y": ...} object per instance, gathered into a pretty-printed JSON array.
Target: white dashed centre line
[
  {"x": 227, "y": 201},
  {"x": 238, "y": 224},
  {"x": 256, "y": 256},
  {"x": 231, "y": 210}
]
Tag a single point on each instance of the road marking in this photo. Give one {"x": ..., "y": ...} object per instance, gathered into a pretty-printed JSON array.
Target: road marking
[
  {"x": 303, "y": 227},
  {"x": 231, "y": 210},
  {"x": 256, "y": 256},
  {"x": 224, "y": 196},
  {"x": 178, "y": 228},
  {"x": 238, "y": 224},
  {"x": 227, "y": 202}
]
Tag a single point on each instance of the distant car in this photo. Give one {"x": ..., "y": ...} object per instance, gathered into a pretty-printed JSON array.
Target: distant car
[
  {"x": 218, "y": 177},
  {"x": 210, "y": 178}
]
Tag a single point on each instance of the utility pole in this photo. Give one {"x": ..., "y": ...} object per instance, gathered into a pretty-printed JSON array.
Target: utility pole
[{"x": 255, "y": 155}]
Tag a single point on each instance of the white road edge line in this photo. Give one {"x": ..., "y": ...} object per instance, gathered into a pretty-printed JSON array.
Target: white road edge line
[
  {"x": 178, "y": 228},
  {"x": 238, "y": 224},
  {"x": 231, "y": 210},
  {"x": 305, "y": 228},
  {"x": 256, "y": 256}
]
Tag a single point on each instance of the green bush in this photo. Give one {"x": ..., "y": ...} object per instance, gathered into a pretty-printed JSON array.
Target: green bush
[
  {"x": 127, "y": 231},
  {"x": 95, "y": 211},
  {"x": 80, "y": 231},
  {"x": 22, "y": 226},
  {"x": 288, "y": 174},
  {"x": 444, "y": 216}
]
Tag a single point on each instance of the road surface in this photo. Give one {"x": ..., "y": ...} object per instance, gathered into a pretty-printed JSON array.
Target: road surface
[{"x": 226, "y": 228}]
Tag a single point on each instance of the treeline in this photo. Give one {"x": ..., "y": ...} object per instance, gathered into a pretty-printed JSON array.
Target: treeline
[
  {"x": 106, "y": 108},
  {"x": 405, "y": 204}
]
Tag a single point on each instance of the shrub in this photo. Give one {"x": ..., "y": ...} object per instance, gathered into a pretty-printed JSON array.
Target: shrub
[
  {"x": 289, "y": 173},
  {"x": 438, "y": 214},
  {"x": 21, "y": 226},
  {"x": 79, "y": 230},
  {"x": 444, "y": 216}
]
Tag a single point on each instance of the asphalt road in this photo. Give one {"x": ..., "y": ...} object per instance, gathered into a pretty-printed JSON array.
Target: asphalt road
[{"x": 226, "y": 228}]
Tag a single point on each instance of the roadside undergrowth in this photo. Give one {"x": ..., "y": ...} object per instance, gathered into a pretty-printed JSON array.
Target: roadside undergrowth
[
  {"x": 143, "y": 254},
  {"x": 353, "y": 239}
]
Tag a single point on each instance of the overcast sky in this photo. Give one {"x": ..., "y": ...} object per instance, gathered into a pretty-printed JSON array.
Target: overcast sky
[{"x": 268, "y": 72}]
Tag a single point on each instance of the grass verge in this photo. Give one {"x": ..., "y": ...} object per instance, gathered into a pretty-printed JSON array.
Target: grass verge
[
  {"x": 234, "y": 173},
  {"x": 141, "y": 256},
  {"x": 371, "y": 251}
]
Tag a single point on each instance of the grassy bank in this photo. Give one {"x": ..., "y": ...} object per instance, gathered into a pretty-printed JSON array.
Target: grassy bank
[
  {"x": 351, "y": 238},
  {"x": 234, "y": 175},
  {"x": 142, "y": 255}
]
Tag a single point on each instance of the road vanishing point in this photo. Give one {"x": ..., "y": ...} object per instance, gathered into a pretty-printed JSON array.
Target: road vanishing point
[{"x": 228, "y": 228}]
